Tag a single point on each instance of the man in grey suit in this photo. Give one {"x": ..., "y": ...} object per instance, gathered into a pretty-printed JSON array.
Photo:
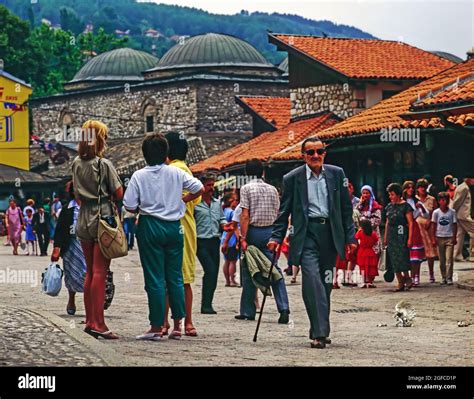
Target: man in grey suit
[{"x": 316, "y": 196}]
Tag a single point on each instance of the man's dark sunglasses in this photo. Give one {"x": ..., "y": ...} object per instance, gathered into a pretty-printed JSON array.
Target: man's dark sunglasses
[{"x": 320, "y": 151}]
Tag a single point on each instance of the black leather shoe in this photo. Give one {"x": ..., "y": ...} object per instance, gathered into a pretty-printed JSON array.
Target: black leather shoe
[
  {"x": 326, "y": 340},
  {"x": 242, "y": 317},
  {"x": 318, "y": 344},
  {"x": 208, "y": 311},
  {"x": 284, "y": 317}
]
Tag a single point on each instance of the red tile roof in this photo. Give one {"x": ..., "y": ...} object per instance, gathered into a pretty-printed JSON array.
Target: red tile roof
[
  {"x": 274, "y": 110},
  {"x": 457, "y": 92},
  {"x": 460, "y": 120},
  {"x": 267, "y": 144},
  {"x": 386, "y": 114},
  {"x": 365, "y": 58}
]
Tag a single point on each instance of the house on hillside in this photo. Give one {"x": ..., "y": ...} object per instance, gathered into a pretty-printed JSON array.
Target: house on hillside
[{"x": 152, "y": 33}]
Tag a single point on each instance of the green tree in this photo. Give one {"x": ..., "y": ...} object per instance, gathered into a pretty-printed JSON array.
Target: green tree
[
  {"x": 70, "y": 21},
  {"x": 55, "y": 58},
  {"x": 31, "y": 17},
  {"x": 100, "y": 42},
  {"x": 13, "y": 48},
  {"x": 169, "y": 32}
]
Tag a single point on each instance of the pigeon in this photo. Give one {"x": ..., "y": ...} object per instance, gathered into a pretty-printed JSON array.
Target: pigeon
[{"x": 404, "y": 314}]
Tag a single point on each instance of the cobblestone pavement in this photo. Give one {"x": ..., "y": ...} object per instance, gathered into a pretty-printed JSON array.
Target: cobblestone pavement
[
  {"x": 27, "y": 339},
  {"x": 434, "y": 340}
]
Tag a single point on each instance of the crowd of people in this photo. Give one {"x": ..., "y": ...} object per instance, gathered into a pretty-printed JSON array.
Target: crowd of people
[
  {"x": 418, "y": 227},
  {"x": 317, "y": 221},
  {"x": 38, "y": 223}
]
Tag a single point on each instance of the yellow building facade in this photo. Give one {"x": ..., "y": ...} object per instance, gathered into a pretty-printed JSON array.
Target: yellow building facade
[{"x": 14, "y": 122}]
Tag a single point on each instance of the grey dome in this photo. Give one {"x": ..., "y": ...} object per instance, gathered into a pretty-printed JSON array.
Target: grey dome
[
  {"x": 212, "y": 49},
  {"x": 123, "y": 64}
]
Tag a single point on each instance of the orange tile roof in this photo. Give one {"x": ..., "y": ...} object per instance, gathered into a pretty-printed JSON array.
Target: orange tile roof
[
  {"x": 267, "y": 144},
  {"x": 457, "y": 92},
  {"x": 386, "y": 114},
  {"x": 460, "y": 120},
  {"x": 275, "y": 110},
  {"x": 365, "y": 58}
]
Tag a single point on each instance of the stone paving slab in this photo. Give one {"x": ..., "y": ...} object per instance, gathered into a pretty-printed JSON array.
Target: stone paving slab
[
  {"x": 434, "y": 340},
  {"x": 28, "y": 339}
]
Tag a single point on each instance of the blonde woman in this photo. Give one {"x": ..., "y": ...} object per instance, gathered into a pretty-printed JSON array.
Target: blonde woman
[{"x": 85, "y": 175}]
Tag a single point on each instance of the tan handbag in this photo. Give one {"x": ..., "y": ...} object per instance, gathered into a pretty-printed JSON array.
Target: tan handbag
[{"x": 111, "y": 236}]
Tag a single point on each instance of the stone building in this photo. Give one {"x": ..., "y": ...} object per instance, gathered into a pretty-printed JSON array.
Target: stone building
[
  {"x": 346, "y": 76},
  {"x": 191, "y": 89}
]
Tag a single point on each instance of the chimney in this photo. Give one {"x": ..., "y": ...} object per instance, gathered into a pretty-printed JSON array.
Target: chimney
[
  {"x": 470, "y": 53},
  {"x": 1, "y": 64}
]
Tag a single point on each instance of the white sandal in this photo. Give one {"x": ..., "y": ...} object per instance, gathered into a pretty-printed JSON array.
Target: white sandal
[
  {"x": 175, "y": 334},
  {"x": 149, "y": 337}
]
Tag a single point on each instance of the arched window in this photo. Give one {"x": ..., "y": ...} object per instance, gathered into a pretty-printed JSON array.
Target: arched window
[
  {"x": 66, "y": 120},
  {"x": 148, "y": 111}
]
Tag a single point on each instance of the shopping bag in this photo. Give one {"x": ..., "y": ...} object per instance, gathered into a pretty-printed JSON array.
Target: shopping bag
[
  {"x": 51, "y": 279},
  {"x": 382, "y": 266}
]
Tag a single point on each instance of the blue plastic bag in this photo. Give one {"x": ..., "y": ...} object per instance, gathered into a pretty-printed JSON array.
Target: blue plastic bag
[{"x": 51, "y": 279}]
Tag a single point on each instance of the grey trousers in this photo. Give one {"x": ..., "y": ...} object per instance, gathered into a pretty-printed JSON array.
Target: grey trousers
[{"x": 318, "y": 261}]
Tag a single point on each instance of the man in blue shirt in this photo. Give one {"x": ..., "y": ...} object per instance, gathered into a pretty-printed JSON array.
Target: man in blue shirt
[{"x": 210, "y": 219}]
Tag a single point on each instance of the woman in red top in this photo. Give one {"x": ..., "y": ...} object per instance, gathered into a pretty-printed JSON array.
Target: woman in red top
[{"x": 367, "y": 259}]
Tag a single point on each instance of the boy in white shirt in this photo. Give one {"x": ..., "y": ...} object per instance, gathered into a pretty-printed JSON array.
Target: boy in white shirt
[{"x": 444, "y": 231}]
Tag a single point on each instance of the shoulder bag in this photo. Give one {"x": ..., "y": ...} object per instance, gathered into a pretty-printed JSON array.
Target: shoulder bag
[{"x": 111, "y": 236}]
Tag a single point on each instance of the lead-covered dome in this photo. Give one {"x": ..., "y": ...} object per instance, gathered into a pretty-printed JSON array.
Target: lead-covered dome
[
  {"x": 212, "y": 50},
  {"x": 121, "y": 65}
]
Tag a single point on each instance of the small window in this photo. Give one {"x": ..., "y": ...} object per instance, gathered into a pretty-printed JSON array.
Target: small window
[
  {"x": 389, "y": 93},
  {"x": 359, "y": 103},
  {"x": 149, "y": 123}
]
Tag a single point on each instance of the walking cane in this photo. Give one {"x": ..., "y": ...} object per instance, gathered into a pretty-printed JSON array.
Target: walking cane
[
  {"x": 241, "y": 253},
  {"x": 276, "y": 256}
]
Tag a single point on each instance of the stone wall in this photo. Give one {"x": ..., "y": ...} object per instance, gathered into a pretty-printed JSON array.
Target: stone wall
[
  {"x": 191, "y": 107},
  {"x": 337, "y": 98},
  {"x": 121, "y": 110},
  {"x": 217, "y": 110}
]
